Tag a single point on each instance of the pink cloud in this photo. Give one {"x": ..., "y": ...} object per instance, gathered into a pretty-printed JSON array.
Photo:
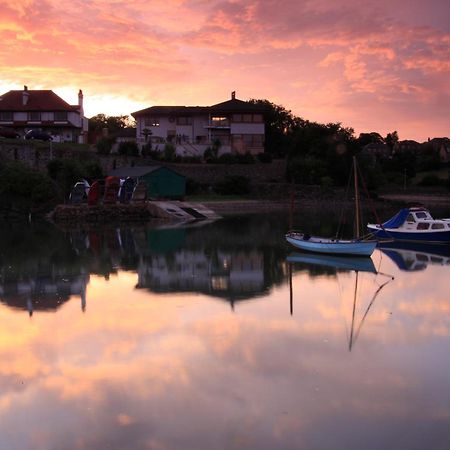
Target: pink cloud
[{"x": 196, "y": 51}]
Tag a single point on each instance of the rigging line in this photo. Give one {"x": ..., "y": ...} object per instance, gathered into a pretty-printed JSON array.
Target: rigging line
[
  {"x": 341, "y": 217},
  {"x": 350, "y": 344},
  {"x": 369, "y": 306},
  {"x": 372, "y": 207}
]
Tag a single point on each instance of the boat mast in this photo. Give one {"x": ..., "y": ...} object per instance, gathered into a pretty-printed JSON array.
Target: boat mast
[{"x": 356, "y": 198}]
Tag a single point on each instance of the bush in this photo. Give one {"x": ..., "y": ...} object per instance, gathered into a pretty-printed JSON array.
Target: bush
[
  {"x": 246, "y": 158},
  {"x": 147, "y": 149},
  {"x": 66, "y": 172},
  {"x": 169, "y": 152},
  {"x": 227, "y": 158},
  {"x": 24, "y": 188},
  {"x": 431, "y": 180},
  {"x": 128, "y": 148},
  {"x": 264, "y": 158},
  {"x": 104, "y": 146},
  {"x": 192, "y": 187},
  {"x": 233, "y": 185}
]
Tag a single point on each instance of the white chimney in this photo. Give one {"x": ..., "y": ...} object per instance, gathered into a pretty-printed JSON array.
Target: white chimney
[
  {"x": 25, "y": 95},
  {"x": 80, "y": 101}
]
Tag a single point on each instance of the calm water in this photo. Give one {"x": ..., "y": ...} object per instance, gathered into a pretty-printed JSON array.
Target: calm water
[{"x": 206, "y": 337}]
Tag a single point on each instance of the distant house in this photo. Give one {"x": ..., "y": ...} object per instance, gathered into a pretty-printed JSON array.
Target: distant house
[
  {"x": 407, "y": 146},
  {"x": 442, "y": 147},
  {"x": 45, "y": 111},
  {"x": 233, "y": 126},
  {"x": 377, "y": 149},
  {"x": 161, "y": 181}
]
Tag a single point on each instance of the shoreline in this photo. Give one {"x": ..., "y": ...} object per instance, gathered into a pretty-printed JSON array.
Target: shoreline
[{"x": 261, "y": 205}]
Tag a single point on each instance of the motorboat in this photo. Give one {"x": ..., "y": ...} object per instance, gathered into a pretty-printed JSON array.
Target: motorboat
[{"x": 413, "y": 224}]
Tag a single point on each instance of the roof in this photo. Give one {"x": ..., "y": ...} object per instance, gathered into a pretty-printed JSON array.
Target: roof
[
  {"x": 137, "y": 171},
  {"x": 235, "y": 105},
  {"x": 230, "y": 106},
  {"x": 38, "y": 100},
  {"x": 172, "y": 110}
]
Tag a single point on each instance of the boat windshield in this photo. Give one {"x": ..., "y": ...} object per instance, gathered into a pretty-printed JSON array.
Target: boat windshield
[
  {"x": 422, "y": 215},
  {"x": 410, "y": 218}
]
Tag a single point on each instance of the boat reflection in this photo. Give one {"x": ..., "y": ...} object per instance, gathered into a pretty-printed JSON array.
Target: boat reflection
[
  {"x": 416, "y": 256},
  {"x": 344, "y": 264},
  {"x": 357, "y": 263}
]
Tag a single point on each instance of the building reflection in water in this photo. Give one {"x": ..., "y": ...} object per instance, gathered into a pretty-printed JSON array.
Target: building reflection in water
[{"x": 165, "y": 259}]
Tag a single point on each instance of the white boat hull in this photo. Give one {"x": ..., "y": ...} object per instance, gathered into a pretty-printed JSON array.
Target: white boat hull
[{"x": 331, "y": 246}]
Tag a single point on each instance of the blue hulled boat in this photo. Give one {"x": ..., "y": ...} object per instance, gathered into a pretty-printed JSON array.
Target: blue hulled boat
[
  {"x": 354, "y": 247},
  {"x": 413, "y": 224}
]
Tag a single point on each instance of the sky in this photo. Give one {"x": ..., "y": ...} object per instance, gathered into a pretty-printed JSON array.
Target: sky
[{"x": 371, "y": 65}]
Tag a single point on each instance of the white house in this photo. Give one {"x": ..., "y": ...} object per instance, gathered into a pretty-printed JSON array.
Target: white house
[
  {"x": 45, "y": 111},
  {"x": 234, "y": 126}
]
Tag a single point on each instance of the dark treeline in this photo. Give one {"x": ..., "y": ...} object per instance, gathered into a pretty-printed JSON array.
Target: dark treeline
[{"x": 321, "y": 154}]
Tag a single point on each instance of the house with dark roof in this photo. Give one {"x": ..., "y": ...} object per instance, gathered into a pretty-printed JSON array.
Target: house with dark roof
[
  {"x": 233, "y": 126},
  {"x": 43, "y": 110}
]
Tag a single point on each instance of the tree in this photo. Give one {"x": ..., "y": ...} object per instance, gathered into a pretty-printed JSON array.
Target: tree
[
  {"x": 280, "y": 123},
  {"x": 391, "y": 140},
  {"x": 370, "y": 138},
  {"x": 112, "y": 123}
]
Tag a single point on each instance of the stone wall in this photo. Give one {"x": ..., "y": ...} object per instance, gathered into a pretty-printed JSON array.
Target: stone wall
[{"x": 38, "y": 154}]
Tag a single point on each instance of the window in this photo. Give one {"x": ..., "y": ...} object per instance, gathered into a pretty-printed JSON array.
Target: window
[
  {"x": 34, "y": 116},
  {"x": 247, "y": 118},
  {"x": 61, "y": 116},
  {"x": 423, "y": 226},
  {"x": 437, "y": 226},
  {"x": 220, "y": 122},
  {"x": 410, "y": 218},
  {"x": 184, "y": 120},
  {"x": 6, "y": 116},
  {"x": 151, "y": 121},
  {"x": 253, "y": 140}
]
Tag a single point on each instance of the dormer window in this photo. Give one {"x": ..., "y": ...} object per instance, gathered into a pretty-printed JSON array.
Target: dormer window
[{"x": 34, "y": 116}]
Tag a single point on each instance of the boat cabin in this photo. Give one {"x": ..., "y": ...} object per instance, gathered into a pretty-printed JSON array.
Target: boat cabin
[{"x": 421, "y": 219}]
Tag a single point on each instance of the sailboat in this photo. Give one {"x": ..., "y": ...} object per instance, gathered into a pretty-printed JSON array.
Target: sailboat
[{"x": 356, "y": 247}]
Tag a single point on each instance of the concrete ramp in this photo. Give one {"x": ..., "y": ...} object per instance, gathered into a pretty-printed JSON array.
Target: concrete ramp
[{"x": 181, "y": 210}]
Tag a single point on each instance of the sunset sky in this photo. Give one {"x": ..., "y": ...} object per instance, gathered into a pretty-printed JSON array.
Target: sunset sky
[{"x": 371, "y": 65}]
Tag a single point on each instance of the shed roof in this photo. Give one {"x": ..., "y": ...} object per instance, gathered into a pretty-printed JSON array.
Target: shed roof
[{"x": 137, "y": 171}]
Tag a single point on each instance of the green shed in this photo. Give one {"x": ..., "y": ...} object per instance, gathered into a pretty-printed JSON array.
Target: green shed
[{"x": 162, "y": 182}]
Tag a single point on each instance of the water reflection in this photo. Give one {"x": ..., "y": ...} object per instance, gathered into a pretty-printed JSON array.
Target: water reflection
[
  {"x": 416, "y": 256},
  {"x": 156, "y": 362},
  {"x": 204, "y": 258},
  {"x": 344, "y": 264}
]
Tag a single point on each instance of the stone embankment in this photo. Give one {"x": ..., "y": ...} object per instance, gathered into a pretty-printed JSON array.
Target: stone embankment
[
  {"x": 101, "y": 213},
  {"x": 132, "y": 212}
]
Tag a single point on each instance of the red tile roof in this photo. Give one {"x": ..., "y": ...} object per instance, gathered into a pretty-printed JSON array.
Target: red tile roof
[{"x": 38, "y": 100}]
